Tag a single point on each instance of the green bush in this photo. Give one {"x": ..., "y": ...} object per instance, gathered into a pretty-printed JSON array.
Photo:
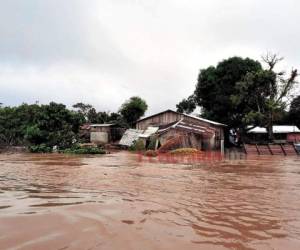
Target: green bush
[
  {"x": 86, "y": 150},
  {"x": 42, "y": 148},
  {"x": 152, "y": 143},
  {"x": 137, "y": 146},
  {"x": 34, "y": 135}
]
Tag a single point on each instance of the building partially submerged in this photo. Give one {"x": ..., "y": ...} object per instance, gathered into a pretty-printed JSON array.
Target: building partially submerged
[
  {"x": 191, "y": 131},
  {"x": 282, "y": 134},
  {"x": 102, "y": 133}
]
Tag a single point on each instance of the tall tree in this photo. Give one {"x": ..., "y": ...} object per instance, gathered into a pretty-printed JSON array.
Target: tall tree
[
  {"x": 216, "y": 85},
  {"x": 133, "y": 109},
  {"x": 187, "y": 105},
  {"x": 84, "y": 109},
  {"x": 51, "y": 124},
  {"x": 265, "y": 94}
]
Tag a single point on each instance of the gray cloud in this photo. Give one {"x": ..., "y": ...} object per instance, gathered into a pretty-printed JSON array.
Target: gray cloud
[{"x": 105, "y": 51}]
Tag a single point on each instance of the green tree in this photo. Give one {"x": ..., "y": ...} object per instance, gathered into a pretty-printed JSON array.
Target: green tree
[
  {"x": 83, "y": 109},
  {"x": 294, "y": 113},
  {"x": 34, "y": 135},
  {"x": 50, "y": 125},
  {"x": 133, "y": 109},
  {"x": 264, "y": 93},
  {"x": 215, "y": 88},
  {"x": 187, "y": 105},
  {"x": 14, "y": 121}
]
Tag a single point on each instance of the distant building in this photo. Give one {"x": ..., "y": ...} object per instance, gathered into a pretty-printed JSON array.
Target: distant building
[{"x": 282, "y": 134}]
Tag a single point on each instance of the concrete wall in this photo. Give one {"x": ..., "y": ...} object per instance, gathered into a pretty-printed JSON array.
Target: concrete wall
[{"x": 99, "y": 137}]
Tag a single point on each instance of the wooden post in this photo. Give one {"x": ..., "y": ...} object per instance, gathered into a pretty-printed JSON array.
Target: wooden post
[
  {"x": 222, "y": 147},
  {"x": 257, "y": 149},
  {"x": 270, "y": 149},
  {"x": 283, "y": 150},
  {"x": 156, "y": 144}
]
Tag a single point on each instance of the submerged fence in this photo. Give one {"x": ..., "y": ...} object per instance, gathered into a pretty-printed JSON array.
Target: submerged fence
[{"x": 193, "y": 158}]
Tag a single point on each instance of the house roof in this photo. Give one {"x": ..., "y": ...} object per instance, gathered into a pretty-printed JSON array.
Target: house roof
[
  {"x": 150, "y": 116},
  {"x": 205, "y": 120},
  {"x": 182, "y": 125},
  {"x": 186, "y": 115},
  {"x": 85, "y": 126},
  {"x": 277, "y": 129},
  {"x": 102, "y": 125},
  {"x": 149, "y": 131},
  {"x": 130, "y": 136}
]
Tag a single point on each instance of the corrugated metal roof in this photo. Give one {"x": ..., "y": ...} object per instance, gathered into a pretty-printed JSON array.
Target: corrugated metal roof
[
  {"x": 150, "y": 116},
  {"x": 102, "y": 125},
  {"x": 205, "y": 120},
  {"x": 277, "y": 129},
  {"x": 188, "y": 127},
  {"x": 191, "y": 116},
  {"x": 130, "y": 136},
  {"x": 149, "y": 131}
]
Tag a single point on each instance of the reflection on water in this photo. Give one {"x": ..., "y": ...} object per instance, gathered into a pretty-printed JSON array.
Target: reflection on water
[{"x": 249, "y": 203}]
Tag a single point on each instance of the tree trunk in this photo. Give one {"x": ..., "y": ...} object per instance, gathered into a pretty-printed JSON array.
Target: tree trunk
[{"x": 270, "y": 128}]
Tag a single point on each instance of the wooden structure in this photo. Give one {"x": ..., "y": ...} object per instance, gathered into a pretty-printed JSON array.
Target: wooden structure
[
  {"x": 198, "y": 132},
  {"x": 270, "y": 149}
]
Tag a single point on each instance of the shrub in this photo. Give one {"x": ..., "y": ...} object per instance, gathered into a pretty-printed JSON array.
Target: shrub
[
  {"x": 42, "y": 148},
  {"x": 152, "y": 143},
  {"x": 34, "y": 135},
  {"x": 83, "y": 150},
  {"x": 137, "y": 146},
  {"x": 184, "y": 151}
]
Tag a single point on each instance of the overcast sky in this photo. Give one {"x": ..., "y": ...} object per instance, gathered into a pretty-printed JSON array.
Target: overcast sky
[{"x": 104, "y": 51}]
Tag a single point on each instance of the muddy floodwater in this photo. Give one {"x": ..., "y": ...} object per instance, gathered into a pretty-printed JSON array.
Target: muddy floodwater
[{"x": 119, "y": 201}]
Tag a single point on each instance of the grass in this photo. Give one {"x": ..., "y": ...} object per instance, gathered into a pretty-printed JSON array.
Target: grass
[
  {"x": 89, "y": 150},
  {"x": 184, "y": 151}
]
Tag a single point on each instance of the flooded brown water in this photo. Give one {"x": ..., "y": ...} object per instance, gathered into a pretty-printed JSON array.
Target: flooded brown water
[{"x": 117, "y": 202}]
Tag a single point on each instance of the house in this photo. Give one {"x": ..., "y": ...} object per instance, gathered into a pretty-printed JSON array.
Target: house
[
  {"x": 102, "y": 133},
  {"x": 282, "y": 134},
  {"x": 193, "y": 131}
]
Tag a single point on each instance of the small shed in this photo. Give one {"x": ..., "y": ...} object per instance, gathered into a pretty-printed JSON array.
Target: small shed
[{"x": 103, "y": 133}]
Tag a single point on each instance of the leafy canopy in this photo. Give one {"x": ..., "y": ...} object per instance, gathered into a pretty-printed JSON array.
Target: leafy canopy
[
  {"x": 216, "y": 85},
  {"x": 133, "y": 109},
  {"x": 50, "y": 125},
  {"x": 186, "y": 105},
  {"x": 264, "y": 94}
]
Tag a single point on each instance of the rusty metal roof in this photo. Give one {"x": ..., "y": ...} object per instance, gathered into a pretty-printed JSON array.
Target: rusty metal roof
[
  {"x": 186, "y": 115},
  {"x": 149, "y": 131},
  {"x": 130, "y": 136},
  {"x": 102, "y": 125},
  {"x": 188, "y": 127}
]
